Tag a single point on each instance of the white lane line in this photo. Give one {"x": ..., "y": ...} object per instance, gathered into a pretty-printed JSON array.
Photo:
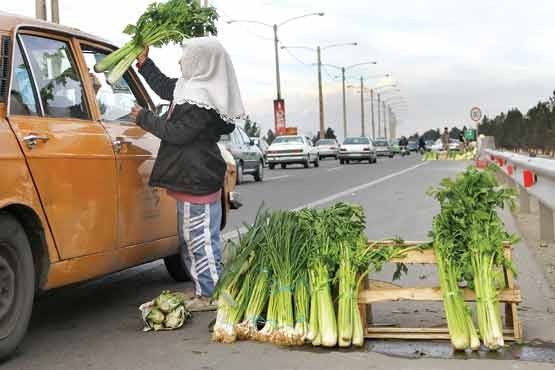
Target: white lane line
[
  {"x": 344, "y": 193},
  {"x": 358, "y": 188},
  {"x": 334, "y": 169},
  {"x": 276, "y": 178}
]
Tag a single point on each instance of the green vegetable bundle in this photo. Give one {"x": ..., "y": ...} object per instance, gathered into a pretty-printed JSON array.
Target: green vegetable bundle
[
  {"x": 283, "y": 272},
  {"x": 165, "y": 312},
  {"x": 160, "y": 24},
  {"x": 469, "y": 239}
]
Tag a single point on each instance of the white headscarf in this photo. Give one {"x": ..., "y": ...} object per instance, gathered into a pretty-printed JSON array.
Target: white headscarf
[{"x": 208, "y": 79}]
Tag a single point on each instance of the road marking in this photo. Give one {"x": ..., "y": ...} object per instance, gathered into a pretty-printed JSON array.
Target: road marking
[
  {"x": 344, "y": 193},
  {"x": 276, "y": 178},
  {"x": 334, "y": 169}
]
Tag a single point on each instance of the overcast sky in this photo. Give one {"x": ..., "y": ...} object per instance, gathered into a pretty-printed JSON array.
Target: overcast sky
[{"x": 446, "y": 56}]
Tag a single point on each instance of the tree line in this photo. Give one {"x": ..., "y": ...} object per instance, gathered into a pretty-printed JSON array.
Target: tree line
[{"x": 532, "y": 132}]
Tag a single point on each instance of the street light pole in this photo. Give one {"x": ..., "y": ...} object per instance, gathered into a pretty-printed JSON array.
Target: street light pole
[
  {"x": 362, "y": 105},
  {"x": 278, "y": 82},
  {"x": 372, "y": 109},
  {"x": 384, "y": 120},
  {"x": 379, "y": 118},
  {"x": 55, "y": 11},
  {"x": 40, "y": 9},
  {"x": 320, "y": 93},
  {"x": 344, "y": 103}
]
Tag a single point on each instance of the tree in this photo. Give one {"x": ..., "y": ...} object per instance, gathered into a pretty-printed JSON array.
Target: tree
[
  {"x": 431, "y": 135},
  {"x": 270, "y": 136}
]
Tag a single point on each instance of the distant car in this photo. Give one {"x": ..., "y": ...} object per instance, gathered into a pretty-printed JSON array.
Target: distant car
[
  {"x": 428, "y": 144},
  {"x": 455, "y": 145},
  {"x": 262, "y": 144},
  {"x": 292, "y": 149},
  {"x": 358, "y": 149},
  {"x": 249, "y": 159},
  {"x": 327, "y": 148},
  {"x": 395, "y": 146},
  {"x": 413, "y": 146},
  {"x": 383, "y": 149}
]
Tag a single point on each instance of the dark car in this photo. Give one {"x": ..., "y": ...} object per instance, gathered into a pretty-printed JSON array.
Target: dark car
[
  {"x": 413, "y": 145},
  {"x": 249, "y": 158}
]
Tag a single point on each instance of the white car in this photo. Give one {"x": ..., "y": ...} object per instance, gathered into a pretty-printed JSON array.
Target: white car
[
  {"x": 357, "y": 149},
  {"x": 327, "y": 148},
  {"x": 454, "y": 145},
  {"x": 292, "y": 149}
]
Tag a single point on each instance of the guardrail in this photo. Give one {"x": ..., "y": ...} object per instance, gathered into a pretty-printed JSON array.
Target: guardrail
[{"x": 534, "y": 177}]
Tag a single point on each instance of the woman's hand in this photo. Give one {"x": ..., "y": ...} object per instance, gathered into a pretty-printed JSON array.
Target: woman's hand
[
  {"x": 141, "y": 58},
  {"x": 135, "y": 111}
]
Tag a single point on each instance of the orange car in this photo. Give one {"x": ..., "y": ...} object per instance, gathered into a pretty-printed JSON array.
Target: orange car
[{"x": 74, "y": 197}]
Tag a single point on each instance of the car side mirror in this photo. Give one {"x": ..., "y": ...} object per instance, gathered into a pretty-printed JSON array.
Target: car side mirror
[{"x": 251, "y": 142}]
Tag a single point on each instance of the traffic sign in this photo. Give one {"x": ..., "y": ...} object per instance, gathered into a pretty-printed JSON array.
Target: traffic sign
[{"x": 476, "y": 114}]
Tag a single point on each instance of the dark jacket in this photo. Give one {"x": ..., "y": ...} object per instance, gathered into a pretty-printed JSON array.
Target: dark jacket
[{"x": 189, "y": 160}]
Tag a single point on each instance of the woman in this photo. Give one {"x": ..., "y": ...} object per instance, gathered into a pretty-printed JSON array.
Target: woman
[{"x": 205, "y": 103}]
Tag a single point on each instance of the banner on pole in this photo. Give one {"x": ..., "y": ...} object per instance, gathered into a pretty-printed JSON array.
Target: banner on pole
[{"x": 279, "y": 116}]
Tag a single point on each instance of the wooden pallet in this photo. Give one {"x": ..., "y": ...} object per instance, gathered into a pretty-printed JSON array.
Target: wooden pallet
[{"x": 510, "y": 297}]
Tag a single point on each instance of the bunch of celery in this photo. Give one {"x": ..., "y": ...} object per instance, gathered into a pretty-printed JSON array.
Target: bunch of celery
[
  {"x": 160, "y": 24},
  {"x": 468, "y": 240}
]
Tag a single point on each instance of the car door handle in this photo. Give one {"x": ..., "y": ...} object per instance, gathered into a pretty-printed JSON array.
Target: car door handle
[
  {"x": 119, "y": 143},
  {"x": 33, "y": 139}
]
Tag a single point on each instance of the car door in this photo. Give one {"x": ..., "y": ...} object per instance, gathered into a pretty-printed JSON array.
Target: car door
[
  {"x": 144, "y": 213},
  {"x": 69, "y": 154},
  {"x": 251, "y": 153}
]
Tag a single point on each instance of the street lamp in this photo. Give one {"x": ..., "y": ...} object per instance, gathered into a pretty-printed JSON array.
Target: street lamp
[
  {"x": 275, "y": 27},
  {"x": 318, "y": 51},
  {"x": 343, "y": 70},
  {"x": 394, "y": 86},
  {"x": 362, "y": 89}
]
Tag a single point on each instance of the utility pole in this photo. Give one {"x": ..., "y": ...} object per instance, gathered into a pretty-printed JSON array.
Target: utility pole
[
  {"x": 379, "y": 118},
  {"x": 55, "y": 11},
  {"x": 40, "y": 9},
  {"x": 278, "y": 83},
  {"x": 320, "y": 92},
  {"x": 372, "y": 109},
  {"x": 344, "y": 103},
  {"x": 362, "y": 106},
  {"x": 384, "y": 120}
]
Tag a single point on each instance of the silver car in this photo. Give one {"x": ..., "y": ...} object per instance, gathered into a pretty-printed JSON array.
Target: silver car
[
  {"x": 357, "y": 149},
  {"x": 383, "y": 149},
  {"x": 327, "y": 148}
]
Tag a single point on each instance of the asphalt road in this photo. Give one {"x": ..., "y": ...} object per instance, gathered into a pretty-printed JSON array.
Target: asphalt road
[{"x": 96, "y": 325}]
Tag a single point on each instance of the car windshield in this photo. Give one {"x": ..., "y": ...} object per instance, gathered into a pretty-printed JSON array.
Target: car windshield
[
  {"x": 356, "y": 140},
  {"x": 225, "y": 137},
  {"x": 288, "y": 140},
  {"x": 380, "y": 143},
  {"x": 326, "y": 142}
]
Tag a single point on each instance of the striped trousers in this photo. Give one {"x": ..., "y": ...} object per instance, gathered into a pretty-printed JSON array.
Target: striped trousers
[{"x": 200, "y": 243}]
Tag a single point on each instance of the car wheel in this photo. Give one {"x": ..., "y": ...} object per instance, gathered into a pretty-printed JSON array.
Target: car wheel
[
  {"x": 347, "y": 161},
  {"x": 283, "y": 166},
  {"x": 306, "y": 163},
  {"x": 176, "y": 268},
  {"x": 392, "y": 155},
  {"x": 259, "y": 174},
  {"x": 341, "y": 161},
  {"x": 317, "y": 162},
  {"x": 239, "y": 173},
  {"x": 17, "y": 284},
  {"x": 271, "y": 166}
]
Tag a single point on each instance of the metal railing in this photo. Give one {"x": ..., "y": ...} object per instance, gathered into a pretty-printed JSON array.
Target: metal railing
[{"x": 534, "y": 177}]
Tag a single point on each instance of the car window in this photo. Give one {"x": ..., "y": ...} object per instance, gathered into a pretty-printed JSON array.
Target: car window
[
  {"x": 326, "y": 142},
  {"x": 114, "y": 100},
  {"x": 57, "y": 77},
  {"x": 225, "y": 138},
  {"x": 380, "y": 143},
  {"x": 236, "y": 136},
  {"x": 244, "y": 136},
  {"x": 22, "y": 95},
  {"x": 356, "y": 140},
  {"x": 288, "y": 139}
]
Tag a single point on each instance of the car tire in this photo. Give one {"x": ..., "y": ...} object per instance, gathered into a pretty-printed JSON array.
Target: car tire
[
  {"x": 271, "y": 166},
  {"x": 17, "y": 284},
  {"x": 341, "y": 161},
  {"x": 240, "y": 175},
  {"x": 306, "y": 163},
  {"x": 391, "y": 156},
  {"x": 176, "y": 268},
  {"x": 347, "y": 161},
  {"x": 317, "y": 162},
  {"x": 259, "y": 174},
  {"x": 283, "y": 166}
]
